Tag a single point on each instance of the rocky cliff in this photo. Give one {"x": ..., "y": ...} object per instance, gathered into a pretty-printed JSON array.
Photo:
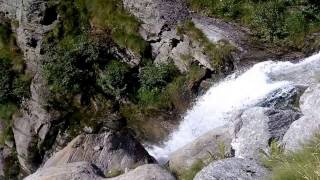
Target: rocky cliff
[{"x": 106, "y": 75}]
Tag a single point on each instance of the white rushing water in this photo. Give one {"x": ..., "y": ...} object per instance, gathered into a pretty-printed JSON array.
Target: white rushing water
[{"x": 215, "y": 108}]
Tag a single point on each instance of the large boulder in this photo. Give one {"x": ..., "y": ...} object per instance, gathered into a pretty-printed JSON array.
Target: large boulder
[
  {"x": 257, "y": 127},
  {"x": 110, "y": 151},
  {"x": 157, "y": 16},
  {"x": 88, "y": 171},
  {"x": 146, "y": 172},
  {"x": 305, "y": 128},
  {"x": 215, "y": 143},
  {"x": 233, "y": 168},
  {"x": 71, "y": 171}
]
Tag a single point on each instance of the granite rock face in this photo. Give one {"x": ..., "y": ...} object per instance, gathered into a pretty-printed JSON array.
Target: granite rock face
[
  {"x": 110, "y": 151},
  {"x": 88, "y": 171},
  {"x": 203, "y": 148},
  {"x": 160, "y": 20},
  {"x": 233, "y": 168},
  {"x": 72, "y": 171},
  {"x": 146, "y": 172},
  {"x": 257, "y": 127},
  {"x": 305, "y": 128}
]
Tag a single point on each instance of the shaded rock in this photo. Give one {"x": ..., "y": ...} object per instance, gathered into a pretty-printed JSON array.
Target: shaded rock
[
  {"x": 117, "y": 151},
  {"x": 146, "y": 172},
  {"x": 71, "y": 171},
  {"x": 31, "y": 133},
  {"x": 257, "y": 127},
  {"x": 284, "y": 98},
  {"x": 214, "y": 144},
  {"x": 233, "y": 168},
  {"x": 305, "y": 128}
]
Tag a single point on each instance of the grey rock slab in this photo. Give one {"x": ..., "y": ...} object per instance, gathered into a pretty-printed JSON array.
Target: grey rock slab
[
  {"x": 233, "y": 168},
  {"x": 108, "y": 151},
  {"x": 203, "y": 148}
]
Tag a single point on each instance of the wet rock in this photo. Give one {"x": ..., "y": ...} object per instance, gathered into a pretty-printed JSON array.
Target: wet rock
[
  {"x": 305, "y": 128},
  {"x": 257, "y": 127},
  {"x": 117, "y": 151},
  {"x": 284, "y": 98},
  {"x": 77, "y": 170},
  {"x": 146, "y": 172},
  {"x": 212, "y": 145},
  {"x": 233, "y": 168}
]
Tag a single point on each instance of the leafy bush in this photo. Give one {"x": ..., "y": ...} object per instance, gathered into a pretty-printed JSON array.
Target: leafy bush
[
  {"x": 68, "y": 66},
  {"x": 112, "y": 79},
  {"x": 153, "y": 79},
  {"x": 303, "y": 164},
  {"x": 154, "y": 76}
]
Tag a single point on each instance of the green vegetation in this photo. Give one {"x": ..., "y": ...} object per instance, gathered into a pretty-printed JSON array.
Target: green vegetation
[
  {"x": 112, "y": 79},
  {"x": 14, "y": 82},
  {"x": 83, "y": 16},
  {"x": 286, "y": 22},
  {"x": 154, "y": 78},
  {"x": 113, "y": 173},
  {"x": 192, "y": 172},
  {"x": 303, "y": 164},
  {"x": 68, "y": 66},
  {"x": 218, "y": 53}
]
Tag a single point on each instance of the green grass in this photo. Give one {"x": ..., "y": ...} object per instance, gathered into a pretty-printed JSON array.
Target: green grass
[
  {"x": 192, "y": 172},
  {"x": 277, "y": 21},
  {"x": 302, "y": 164},
  {"x": 83, "y": 16}
]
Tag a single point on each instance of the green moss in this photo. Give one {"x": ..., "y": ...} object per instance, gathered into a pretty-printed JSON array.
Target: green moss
[{"x": 113, "y": 173}]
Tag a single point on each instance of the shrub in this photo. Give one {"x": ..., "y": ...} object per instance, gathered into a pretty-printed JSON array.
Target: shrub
[
  {"x": 153, "y": 79},
  {"x": 302, "y": 164},
  {"x": 112, "y": 80},
  {"x": 156, "y": 76},
  {"x": 68, "y": 66}
]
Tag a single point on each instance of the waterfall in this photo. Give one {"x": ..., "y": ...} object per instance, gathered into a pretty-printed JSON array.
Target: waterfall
[{"x": 216, "y": 107}]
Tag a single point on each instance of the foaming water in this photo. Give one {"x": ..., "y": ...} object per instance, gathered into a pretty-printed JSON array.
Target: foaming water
[{"x": 215, "y": 108}]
